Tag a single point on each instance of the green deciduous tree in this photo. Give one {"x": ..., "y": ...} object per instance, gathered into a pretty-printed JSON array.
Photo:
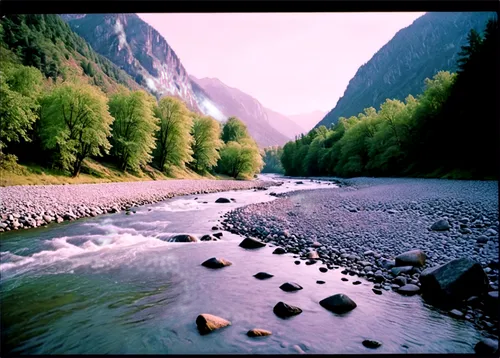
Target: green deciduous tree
[
  {"x": 19, "y": 89},
  {"x": 75, "y": 121},
  {"x": 173, "y": 146},
  {"x": 234, "y": 130},
  {"x": 206, "y": 143},
  {"x": 133, "y": 132},
  {"x": 240, "y": 159}
]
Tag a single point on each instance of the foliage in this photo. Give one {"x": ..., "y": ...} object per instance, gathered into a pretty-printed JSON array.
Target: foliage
[
  {"x": 272, "y": 160},
  {"x": 174, "y": 139},
  {"x": 76, "y": 123},
  {"x": 19, "y": 88},
  {"x": 240, "y": 159},
  {"x": 234, "y": 130},
  {"x": 206, "y": 143},
  {"x": 47, "y": 43},
  {"x": 449, "y": 130},
  {"x": 134, "y": 127}
]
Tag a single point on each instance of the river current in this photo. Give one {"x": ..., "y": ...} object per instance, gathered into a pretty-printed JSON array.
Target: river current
[{"x": 111, "y": 285}]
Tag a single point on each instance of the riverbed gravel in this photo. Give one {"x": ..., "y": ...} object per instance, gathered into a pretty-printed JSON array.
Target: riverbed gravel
[
  {"x": 363, "y": 225},
  {"x": 23, "y": 207}
]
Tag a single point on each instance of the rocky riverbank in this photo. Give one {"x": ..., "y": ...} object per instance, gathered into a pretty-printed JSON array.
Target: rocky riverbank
[
  {"x": 23, "y": 207},
  {"x": 362, "y": 227}
]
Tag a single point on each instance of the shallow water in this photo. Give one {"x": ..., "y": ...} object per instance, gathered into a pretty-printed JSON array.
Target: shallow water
[{"x": 111, "y": 285}]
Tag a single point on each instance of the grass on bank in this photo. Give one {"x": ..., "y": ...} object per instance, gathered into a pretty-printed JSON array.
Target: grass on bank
[{"x": 92, "y": 172}]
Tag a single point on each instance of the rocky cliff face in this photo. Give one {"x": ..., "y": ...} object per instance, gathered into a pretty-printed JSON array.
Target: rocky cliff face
[
  {"x": 233, "y": 102},
  {"x": 419, "y": 51},
  {"x": 142, "y": 52}
]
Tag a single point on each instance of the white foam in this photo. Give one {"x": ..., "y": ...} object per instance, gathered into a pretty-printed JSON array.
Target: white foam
[{"x": 78, "y": 255}]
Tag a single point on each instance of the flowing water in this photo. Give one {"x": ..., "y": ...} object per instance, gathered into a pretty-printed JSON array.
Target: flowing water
[{"x": 110, "y": 284}]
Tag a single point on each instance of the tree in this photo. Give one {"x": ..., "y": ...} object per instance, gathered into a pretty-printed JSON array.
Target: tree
[
  {"x": 133, "y": 133},
  {"x": 75, "y": 121},
  {"x": 240, "y": 159},
  {"x": 19, "y": 89},
  {"x": 173, "y": 138},
  {"x": 206, "y": 143},
  {"x": 272, "y": 160},
  {"x": 234, "y": 130}
]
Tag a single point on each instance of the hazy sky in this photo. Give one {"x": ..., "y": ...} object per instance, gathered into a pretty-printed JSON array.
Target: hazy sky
[{"x": 291, "y": 62}]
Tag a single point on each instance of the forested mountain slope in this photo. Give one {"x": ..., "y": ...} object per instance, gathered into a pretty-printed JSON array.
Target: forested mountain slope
[{"x": 399, "y": 68}]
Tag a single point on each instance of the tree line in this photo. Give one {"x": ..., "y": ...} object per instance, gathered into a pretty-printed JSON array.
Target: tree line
[
  {"x": 67, "y": 121},
  {"x": 450, "y": 130}
]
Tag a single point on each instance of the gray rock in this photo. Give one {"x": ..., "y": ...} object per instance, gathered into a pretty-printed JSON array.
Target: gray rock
[
  {"x": 263, "y": 275},
  {"x": 251, "y": 243},
  {"x": 396, "y": 271},
  {"x": 409, "y": 290},
  {"x": 368, "y": 343},
  {"x": 411, "y": 258},
  {"x": 183, "y": 238},
  {"x": 486, "y": 346},
  {"x": 215, "y": 263},
  {"x": 290, "y": 287},
  {"x": 284, "y": 310},
  {"x": 441, "y": 225},
  {"x": 208, "y": 237},
  {"x": 456, "y": 313},
  {"x": 279, "y": 251},
  {"x": 456, "y": 280},
  {"x": 223, "y": 200},
  {"x": 338, "y": 303}
]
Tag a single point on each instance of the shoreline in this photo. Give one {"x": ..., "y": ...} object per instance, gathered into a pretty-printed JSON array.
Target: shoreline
[
  {"x": 362, "y": 226},
  {"x": 31, "y": 206}
]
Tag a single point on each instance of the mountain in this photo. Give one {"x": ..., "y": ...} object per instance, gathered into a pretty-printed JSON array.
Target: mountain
[
  {"x": 144, "y": 54},
  {"x": 48, "y": 43},
  {"x": 233, "y": 102},
  {"x": 283, "y": 124},
  {"x": 430, "y": 44},
  {"x": 307, "y": 120}
]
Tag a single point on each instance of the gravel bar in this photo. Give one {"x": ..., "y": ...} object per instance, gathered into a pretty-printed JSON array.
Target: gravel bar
[
  {"x": 363, "y": 225},
  {"x": 29, "y": 206}
]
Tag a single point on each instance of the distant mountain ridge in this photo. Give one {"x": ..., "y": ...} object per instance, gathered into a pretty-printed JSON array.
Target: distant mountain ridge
[
  {"x": 430, "y": 44},
  {"x": 144, "y": 54},
  {"x": 233, "y": 102}
]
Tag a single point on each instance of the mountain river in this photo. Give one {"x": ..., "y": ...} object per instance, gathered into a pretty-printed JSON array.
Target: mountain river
[{"x": 110, "y": 285}]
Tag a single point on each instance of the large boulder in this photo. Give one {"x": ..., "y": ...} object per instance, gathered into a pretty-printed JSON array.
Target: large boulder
[
  {"x": 208, "y": 323},
  {"x": 486, "y": 347},
  {"x": 215, "y": 263},
  {"x": 411, "y": 258},
  {"x": 251, "y": 243},
  {"x": 338, "y": 303},
  {"x": 290, "y": 287},
  {"x": 183, "y": 238},
  {"x": 454, "y": 281},
  {"x": 223, "y": 200},
  {"x": 284, "y": 310}
]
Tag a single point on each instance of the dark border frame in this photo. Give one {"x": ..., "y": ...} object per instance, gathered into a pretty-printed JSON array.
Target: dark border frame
[{"x": 204, "y": 6}]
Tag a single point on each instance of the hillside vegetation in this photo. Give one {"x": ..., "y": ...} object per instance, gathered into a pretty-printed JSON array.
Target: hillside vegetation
[
  {"x": 67, "y": 112},
  {"x": 431, "y": 44},
  {"x": 450, "y": 130}
]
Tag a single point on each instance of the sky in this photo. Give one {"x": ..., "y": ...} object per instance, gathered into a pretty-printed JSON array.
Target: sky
[{"x": 292, "y": 63}]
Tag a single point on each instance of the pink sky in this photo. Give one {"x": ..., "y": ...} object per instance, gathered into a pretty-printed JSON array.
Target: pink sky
[{"x": 292, "y": 63}]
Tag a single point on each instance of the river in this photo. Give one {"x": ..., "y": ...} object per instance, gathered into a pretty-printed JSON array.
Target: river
[{"x": 110, "y": 285}]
